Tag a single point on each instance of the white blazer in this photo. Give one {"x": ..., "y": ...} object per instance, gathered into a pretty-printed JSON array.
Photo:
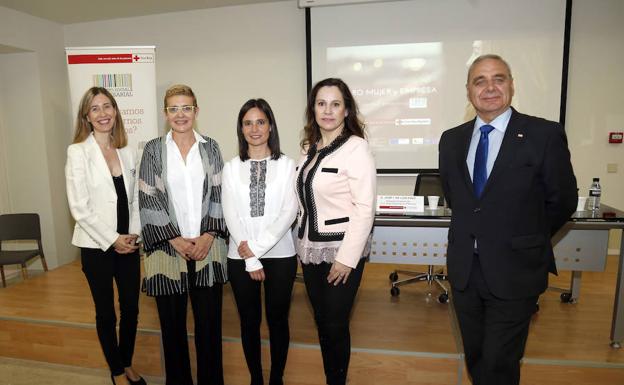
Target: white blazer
[{"x": 92, "y": 197}]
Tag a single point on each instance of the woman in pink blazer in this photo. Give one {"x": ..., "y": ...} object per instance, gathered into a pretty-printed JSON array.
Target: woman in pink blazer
[
  {"x": 336, "y": 180},
  {"x": 100, "y": 175}
]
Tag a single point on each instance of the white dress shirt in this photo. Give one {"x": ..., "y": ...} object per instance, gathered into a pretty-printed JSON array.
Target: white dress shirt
[
  {"x": 185, "y": 181},
  {"x": 260, "y": 206}
]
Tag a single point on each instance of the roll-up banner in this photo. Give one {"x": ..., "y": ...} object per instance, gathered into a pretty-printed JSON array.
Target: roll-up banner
[{"x": 129, "y": 73}]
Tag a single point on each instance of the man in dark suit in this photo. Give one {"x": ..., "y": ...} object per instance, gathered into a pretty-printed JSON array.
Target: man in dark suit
[{"x": 508, "y": 179}]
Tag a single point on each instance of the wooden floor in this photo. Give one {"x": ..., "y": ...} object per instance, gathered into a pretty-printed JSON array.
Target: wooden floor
[{"x": 410, "y": 339}]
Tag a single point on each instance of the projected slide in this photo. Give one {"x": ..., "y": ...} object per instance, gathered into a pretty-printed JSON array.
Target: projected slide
[
  {"x": 406, "y": 63},
  {"x": 397, "y": 87}
]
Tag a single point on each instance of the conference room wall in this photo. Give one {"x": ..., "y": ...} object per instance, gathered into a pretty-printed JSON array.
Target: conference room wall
[
  {"x": 34, "y": 113},
  {"x": 227, "y": 55},
  {"x": 595, "y": 98},
  {"x": 4, "y": 187}
]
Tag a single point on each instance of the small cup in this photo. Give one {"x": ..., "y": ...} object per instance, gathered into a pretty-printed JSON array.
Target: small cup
[
  {"x": 582, "y": 202},
  {"x": 433, "y": 201}
]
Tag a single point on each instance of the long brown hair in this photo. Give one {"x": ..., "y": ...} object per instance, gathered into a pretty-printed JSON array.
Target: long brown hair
[
  {"x": 353, "y": 125},
  {"x": 119, "y": 138}
]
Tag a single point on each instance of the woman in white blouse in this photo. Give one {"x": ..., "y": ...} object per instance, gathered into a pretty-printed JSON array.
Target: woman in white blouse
[{"x": 259, "y": 206}]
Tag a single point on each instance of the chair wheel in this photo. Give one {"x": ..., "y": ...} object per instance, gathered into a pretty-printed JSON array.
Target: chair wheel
[
  {"x": 443, "y": 298},
  {"x": 394, "y": 291},
  {"x": 566, "y": 297},
  {"x": 394, "y": 276}
]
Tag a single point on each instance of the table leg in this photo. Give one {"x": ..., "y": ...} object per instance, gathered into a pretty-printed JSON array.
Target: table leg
[
  {"x": 617, "y": 327},
  {"x": 575, "y": 286}
]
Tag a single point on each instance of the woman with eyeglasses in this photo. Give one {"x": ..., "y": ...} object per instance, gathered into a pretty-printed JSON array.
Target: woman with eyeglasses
[
  {"x": 260, "y": 206},
  {"x": 184, "y": 236},
  {"x": 336, "y": 182},
  {"x": 100, "y": 176}
]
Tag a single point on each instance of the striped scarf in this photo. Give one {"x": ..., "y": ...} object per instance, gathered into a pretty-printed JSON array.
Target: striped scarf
[{"x": 165, "y": 270}]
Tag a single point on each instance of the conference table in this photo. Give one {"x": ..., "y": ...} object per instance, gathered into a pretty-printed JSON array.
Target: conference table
[{"x": 581, "y": 245}]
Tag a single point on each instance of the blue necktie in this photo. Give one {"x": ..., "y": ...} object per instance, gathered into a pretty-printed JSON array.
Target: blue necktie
[{"x": 479, "y": 173}]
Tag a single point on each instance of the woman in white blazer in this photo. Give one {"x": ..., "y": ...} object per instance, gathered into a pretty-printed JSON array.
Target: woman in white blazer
[
  {"x": 100, "y": 176},
  {"x": 259, "y": 206}
]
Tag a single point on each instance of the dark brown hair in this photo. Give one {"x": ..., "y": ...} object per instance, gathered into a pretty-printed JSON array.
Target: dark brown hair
[
  {"x": 243, "y": 146},
  {"x": 352, "y": 123}
]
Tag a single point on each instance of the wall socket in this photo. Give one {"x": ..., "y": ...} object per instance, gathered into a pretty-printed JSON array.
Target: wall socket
[{"x": 612, "y": 168}]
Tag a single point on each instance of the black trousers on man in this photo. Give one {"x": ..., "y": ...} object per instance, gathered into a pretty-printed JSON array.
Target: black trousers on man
[
  {"x": 207, "y": 304},
  {"x": 494, "y": 330},
  {"x": 101, "y": 268},
  {"x": 278, "y": 284},
  {"x": 332, "y": 310}
]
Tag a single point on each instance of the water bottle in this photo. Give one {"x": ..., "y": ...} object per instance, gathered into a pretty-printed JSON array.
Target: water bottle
[{"x": 593, "y": 202}]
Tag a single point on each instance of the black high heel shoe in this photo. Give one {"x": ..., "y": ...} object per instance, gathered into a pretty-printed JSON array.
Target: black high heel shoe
[{"x": 140, "y": 381}]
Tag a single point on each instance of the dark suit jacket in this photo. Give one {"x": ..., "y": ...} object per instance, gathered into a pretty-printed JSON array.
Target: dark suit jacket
[{"x": 530, "y": 193}]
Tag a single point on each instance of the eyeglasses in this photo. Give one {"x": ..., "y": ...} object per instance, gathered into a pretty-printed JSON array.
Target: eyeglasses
[{"x": 174, "y": 109}]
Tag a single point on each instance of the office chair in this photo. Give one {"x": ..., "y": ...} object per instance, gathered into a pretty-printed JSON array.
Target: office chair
[
  {"x": 429, "y": 184},
  {"x": 18, "y": 227},
  {"x": 426, "y": 184}
]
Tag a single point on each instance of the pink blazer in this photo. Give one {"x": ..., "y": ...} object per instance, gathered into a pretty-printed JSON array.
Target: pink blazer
[{"x": 339, "y": 202}]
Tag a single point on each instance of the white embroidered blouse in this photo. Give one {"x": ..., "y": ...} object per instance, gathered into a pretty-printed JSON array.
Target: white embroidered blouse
[{"x": 260, "y": 206}]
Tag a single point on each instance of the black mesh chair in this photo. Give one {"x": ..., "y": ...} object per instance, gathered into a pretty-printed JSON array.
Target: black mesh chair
[
  {"x": 426, "y": 184},
  {"x": 429, "y": 184},
  {"x": 20, "y": 227}
]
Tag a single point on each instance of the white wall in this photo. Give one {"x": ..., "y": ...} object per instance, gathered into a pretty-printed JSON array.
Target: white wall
[
  {"x": 595, "y": 96},
  {"x": 35, "y": 117},
  {"x": 23, "y": 122},
  {"x": 4, "y": 186},
  {"x": 227, "y": 55}
]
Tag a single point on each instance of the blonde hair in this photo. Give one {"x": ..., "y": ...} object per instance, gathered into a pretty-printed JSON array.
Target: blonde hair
[
  {"x": 119, "y": 139},
  {"x": 179, "y": 89}
]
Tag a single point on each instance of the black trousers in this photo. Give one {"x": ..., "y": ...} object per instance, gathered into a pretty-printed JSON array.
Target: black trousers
[
  {"x": 332, "y": 310},
  {"x": 101, "y": 269},
  {"x": 279, "y": 277},
  {"x": 494, "y": 330},
  {"x": 207, "y": 304}
]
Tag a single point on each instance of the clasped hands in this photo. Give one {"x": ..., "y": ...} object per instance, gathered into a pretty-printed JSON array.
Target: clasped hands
[
  {"x": 126, "y": 243},
  {"x": 195, "y": 249}
]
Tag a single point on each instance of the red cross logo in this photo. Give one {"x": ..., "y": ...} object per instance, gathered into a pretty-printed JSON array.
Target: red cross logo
[{"x": 136, "y": 57}]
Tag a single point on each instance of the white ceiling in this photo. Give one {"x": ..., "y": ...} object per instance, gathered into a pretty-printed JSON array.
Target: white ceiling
[{"x": 78, "y": 11}]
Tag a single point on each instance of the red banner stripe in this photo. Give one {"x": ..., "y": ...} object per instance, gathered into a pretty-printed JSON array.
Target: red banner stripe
[{"x": 100, "y": 58}]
